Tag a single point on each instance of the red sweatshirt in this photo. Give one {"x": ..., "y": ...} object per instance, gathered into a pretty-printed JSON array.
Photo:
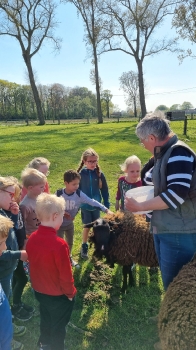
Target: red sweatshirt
[{"x": 49, "y": 261}]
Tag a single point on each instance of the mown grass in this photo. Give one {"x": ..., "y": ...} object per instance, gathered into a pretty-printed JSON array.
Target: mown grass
[{"x": 108, "y": 319}]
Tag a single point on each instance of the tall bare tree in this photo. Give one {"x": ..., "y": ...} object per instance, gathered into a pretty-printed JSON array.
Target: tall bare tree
[
  {"x": 89, "y": 11},
  {"x": 129, "y": 83},
  {"x": 184, "y": 21},
  {"x": 129, "y": 27},
  {"x": 30, "y": 22}
]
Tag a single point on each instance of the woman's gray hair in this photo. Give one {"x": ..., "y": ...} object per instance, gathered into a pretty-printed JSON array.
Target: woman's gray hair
[{"x": 153, "y": 124}]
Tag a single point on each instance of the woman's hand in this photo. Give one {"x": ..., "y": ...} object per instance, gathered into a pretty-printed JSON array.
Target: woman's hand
[{"x": 132, "y": 205}]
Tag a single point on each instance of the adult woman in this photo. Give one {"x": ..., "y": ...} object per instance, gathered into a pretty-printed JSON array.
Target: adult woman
[{"x": 173, "y": 221}]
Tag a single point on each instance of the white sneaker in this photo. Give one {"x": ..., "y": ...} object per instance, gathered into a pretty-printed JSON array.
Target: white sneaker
[{"x": 74, "y": 263}]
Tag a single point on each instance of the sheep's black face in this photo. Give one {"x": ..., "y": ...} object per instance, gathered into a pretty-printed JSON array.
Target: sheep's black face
[{"x": 101, "y": 231}]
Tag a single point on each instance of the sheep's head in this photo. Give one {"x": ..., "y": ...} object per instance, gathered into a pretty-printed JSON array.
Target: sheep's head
[{"x": 100, "y": 236}]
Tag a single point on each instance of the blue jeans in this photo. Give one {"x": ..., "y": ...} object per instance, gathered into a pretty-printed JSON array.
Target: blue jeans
[
  {"x": 6, "y": 329},
  {"x": 6, "y": 284},
  {"x": 173, "y": 251}
]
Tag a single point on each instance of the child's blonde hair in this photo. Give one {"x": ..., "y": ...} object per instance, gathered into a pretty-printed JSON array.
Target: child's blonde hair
[
  {"x": 6, "y": 182},
  {"x": 128, "y": 161},
  {"x": 90, "y": 152},
  {"x": 32, "y": 177},
  {"x": 5, "y": 225},
  {"x": 48, "y": 204},
  {"x": 18, "y": 189},
  {"x": 36, "y": 162}
]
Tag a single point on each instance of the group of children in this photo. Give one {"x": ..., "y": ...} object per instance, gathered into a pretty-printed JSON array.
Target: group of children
[{"x": 36, "y": 229}]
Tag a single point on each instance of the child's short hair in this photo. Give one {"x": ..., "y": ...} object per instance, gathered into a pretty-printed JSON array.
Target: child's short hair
[
  {"x": 36, "y": 162},
  {"x": 6, "y": 182},
  {"x": 5, "y": 225},
  {"x": 32, "y": 177},
  {"x": 71, "y": 175},
  {"x": 48, "y": 204},
  {"x": 128, "y": 161}
]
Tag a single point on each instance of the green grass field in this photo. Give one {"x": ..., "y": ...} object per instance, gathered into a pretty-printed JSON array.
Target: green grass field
[{"x": 104, "y": 318}]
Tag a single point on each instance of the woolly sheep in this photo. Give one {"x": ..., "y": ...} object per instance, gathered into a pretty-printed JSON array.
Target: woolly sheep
[
  {"x": 177, "y": 315},
  {"x": 125, "y": 239}
]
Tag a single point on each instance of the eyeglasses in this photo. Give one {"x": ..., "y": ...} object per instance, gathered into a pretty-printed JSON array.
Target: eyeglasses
[
  {"x": 91, "y": 161},
  {"x": 10, "y": 193}
]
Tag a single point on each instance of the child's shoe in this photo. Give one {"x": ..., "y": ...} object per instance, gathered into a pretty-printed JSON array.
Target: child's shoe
[
  {"x": 20, "y": 313},
  {"x": 84, "y": 251},
  {"x": 18, "y": 330},
  {"x": 74, "y": 263},
  {"x": 16, "y": 345},
  {"x": 28, "y": 308}
]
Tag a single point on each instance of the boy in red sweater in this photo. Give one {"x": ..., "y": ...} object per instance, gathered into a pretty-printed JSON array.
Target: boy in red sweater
[{"x": 50, "y": 272}]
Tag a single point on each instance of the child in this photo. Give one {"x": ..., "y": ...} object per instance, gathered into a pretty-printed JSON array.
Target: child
[
  {"x": 41, "y": 164},
  {"x": 20, "y": 310},
  {"x": 50, "y": 272},
  {"x": 34, "y": 181},
  {"x": 132, "y": 170},
  {"x": 94, "y": 185},
  {"x": 73, "y": 199}
]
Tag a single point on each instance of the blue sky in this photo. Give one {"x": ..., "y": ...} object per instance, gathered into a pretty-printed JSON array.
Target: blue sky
[{"x": 163, "y": 74}]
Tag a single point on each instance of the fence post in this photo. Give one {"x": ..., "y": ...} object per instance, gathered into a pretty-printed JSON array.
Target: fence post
[{"x": 185, "y": 125}]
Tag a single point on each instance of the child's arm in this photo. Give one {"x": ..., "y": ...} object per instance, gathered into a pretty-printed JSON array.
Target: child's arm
[
  {"x": 85, "y": 199},
  {"x": 104, "y": 191},
  {"x": 8, "y": 255},
  {"x": 66, "y": 280},
  {"x": 118, "y": 196}
]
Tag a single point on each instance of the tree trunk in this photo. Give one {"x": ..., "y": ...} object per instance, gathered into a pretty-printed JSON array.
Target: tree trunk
[
  {"x": 34, "y": 90},
  {"x": 99, "y": 112},
  {"x": 141, "y": 88},
  {"x": 108, "y": 109},
  {"x": 135, "y": 106}
]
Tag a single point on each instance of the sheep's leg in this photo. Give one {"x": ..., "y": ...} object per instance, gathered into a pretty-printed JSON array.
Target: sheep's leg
[{"x": 127, "y": 271}]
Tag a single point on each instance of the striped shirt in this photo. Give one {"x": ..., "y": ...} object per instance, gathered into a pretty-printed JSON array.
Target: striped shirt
[{"x": 179, "y": 172}]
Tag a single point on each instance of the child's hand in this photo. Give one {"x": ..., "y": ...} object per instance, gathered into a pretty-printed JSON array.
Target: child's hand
[
  {"x": 109, "y": 212},
  {"x": 24, "y": 256},
  {"x": 14, "y": 208},
  {"x": 67, "y": 215}
]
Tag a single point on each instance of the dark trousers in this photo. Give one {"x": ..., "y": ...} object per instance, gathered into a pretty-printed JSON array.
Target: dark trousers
[
  {"x": 55, "y": 313},
  {"x": 18, "y": 283}
]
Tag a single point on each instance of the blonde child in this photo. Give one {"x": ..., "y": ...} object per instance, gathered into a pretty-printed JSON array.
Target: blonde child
[
  {"x": 34, "y": 181},
  {"x": 132, "y": 169},
  {"x": 50, "y": 272},
  {"x": 42, "y": 164},
  {"x": 93, "y": 184}
]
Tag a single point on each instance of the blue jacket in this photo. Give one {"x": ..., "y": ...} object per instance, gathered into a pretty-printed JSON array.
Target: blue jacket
[
  {"x": 9, "y": 258},
  {"x": 89, "y": 184}
]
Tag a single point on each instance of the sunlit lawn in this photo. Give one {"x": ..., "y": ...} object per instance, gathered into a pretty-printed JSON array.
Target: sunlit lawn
[{"x": 105, "y": 319}]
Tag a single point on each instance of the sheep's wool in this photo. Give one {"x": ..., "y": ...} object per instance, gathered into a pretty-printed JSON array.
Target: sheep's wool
[
  {"x": 177, "y": 316},
  {"x": 132, "y": 241}
]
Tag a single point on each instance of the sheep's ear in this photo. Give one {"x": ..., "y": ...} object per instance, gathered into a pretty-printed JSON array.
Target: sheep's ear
[{"x": 91, "y": 224}]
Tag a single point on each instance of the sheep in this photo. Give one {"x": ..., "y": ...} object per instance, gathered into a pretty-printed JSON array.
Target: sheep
[
  {"x": 177, "y": 316},
  {"x": 124, "y": 238}
]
